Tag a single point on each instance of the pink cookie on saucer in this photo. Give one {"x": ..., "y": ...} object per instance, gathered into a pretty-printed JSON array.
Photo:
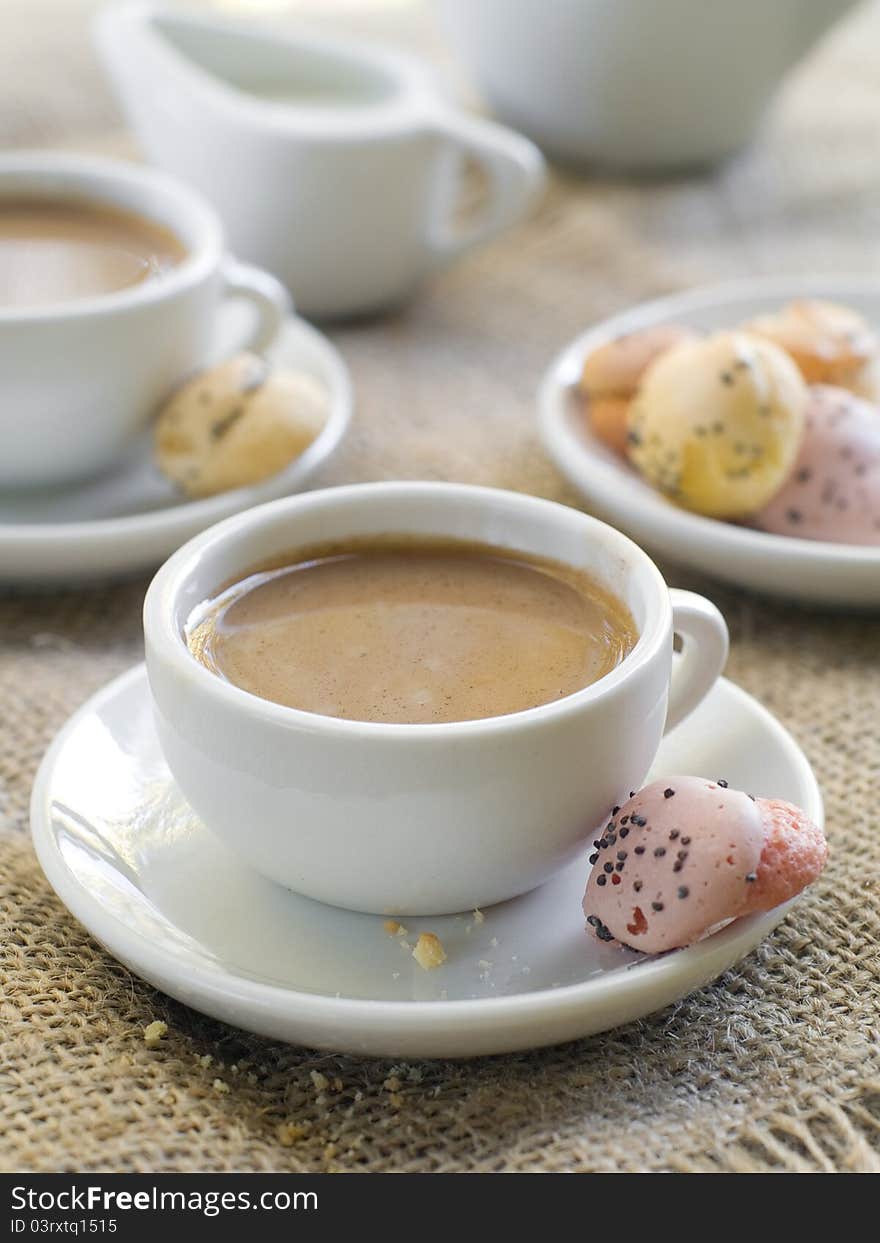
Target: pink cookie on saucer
[
  {"x": 833, "y": 490},
  {"x": 686, "y": 855}
]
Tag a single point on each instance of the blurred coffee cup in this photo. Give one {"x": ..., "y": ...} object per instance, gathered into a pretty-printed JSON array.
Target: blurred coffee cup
[{"x": 634, "y": 84}]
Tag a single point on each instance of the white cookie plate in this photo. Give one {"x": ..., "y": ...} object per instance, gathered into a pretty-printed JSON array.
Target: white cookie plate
[
  {"x": 808, "y": 570},
  {"x": 132, "y": 518},
  {"x": 136, "y": 867}
]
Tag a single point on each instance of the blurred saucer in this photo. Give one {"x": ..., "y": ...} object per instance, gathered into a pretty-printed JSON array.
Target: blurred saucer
[{"x": 132, "y": 518}]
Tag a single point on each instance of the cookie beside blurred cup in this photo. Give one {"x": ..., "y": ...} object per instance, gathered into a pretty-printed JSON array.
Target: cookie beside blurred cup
[{"x": 81, "y": 377}]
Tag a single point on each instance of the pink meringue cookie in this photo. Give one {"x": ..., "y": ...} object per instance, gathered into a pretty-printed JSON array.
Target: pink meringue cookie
[
  {"x": 686, "y": 855},
  {"x": 833, "y": 490}
]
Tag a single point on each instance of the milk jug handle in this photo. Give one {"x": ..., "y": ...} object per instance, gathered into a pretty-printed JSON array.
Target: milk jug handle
[{"x": 514, "y": 171}]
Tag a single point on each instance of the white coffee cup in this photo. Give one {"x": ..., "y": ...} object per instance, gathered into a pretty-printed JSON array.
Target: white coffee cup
[
  {"x": 347, "y": 188},
  {"x": 635, "y": 84},
  {"x": 419, "y": 819},
  {"x": 80, "y": 378}
]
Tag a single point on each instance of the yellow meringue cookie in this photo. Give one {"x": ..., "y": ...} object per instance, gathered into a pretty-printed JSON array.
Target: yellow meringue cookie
[
  {"x": 236, "y": 424},
  {"x": 717, "y": 423}
]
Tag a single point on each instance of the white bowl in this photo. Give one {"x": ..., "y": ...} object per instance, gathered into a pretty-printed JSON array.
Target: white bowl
[{"x": 810, "y": 570}]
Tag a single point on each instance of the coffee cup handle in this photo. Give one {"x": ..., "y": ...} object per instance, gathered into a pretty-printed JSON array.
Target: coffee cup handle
[
  {"x": 270, "y": 300},
  {"x": 705, "y": 643},
  {"x": 515, "y": 171}
]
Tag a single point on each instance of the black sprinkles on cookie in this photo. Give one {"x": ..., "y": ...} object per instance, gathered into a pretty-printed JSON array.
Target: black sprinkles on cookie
[{"x": 220, "y": 427}]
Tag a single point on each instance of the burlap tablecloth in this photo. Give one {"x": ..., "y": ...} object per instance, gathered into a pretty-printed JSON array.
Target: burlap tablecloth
[{"x": 774, "y": 1067}]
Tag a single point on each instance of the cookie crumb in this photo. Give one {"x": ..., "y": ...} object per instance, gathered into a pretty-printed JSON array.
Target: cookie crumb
[
  {"x": 393, "y": 928},
  {"x": 290, "y": 1133},
  {"x": 479, "y": 917},
  {"x": 219, "y": 1086},
  {"x": 154, "y": 1032},
  {"x": 429, "y": 952}
]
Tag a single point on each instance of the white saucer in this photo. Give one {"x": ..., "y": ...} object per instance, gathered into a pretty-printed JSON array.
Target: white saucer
[
  {"x": 839, "y": 574},
  {"x": 134, "y": 865},
  {"x": 132, "y": 518}
]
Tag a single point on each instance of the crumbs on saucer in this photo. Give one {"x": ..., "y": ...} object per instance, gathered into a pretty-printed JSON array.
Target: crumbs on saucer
[{"x": 429, "y": 952}]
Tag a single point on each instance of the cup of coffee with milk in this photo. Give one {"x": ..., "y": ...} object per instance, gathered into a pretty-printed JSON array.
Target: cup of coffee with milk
[
  {"x": 111, "y": 277},
  {"x": 416, "y": 698}
]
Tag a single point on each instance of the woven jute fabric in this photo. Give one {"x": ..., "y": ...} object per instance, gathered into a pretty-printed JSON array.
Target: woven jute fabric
[{"x": 776, "y": 1066}]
